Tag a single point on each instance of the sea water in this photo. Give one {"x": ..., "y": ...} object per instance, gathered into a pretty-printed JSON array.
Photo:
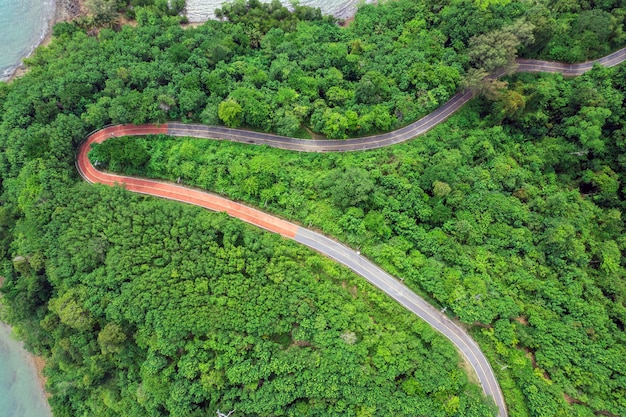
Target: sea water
[
  {"x": 23, "y": 24},
  {"x": 201, "y": 10},
  {"x": 21, "y": 394}
]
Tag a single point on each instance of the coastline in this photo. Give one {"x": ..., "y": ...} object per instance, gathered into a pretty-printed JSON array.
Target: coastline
[
  {"x": 35, "y": 363},
  {"x": 39, "y": 363},
  {"x": 67, "y": 10},
  {"x": 64, "y": 10}
]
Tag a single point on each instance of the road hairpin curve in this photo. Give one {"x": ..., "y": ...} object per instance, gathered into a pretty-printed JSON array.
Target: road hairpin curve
[{"x": 318, "y": 242}]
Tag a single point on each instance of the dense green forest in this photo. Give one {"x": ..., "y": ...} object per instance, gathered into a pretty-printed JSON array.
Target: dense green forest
[
  {"x": 153, "y": 308},
  {"x": 516, "y": 226},
  {"x": 509, "y": 214},
  {"x": 301, "y": 73}
]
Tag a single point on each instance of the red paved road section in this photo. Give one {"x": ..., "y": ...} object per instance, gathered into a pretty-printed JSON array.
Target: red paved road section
[
  {"x": 320, "y": 243},
  {"x": 172, "y": 191}
]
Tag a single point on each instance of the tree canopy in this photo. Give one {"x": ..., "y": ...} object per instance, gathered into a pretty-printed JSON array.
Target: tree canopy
[
  {"x": 508, "y": 215},
  {"x": 512, "y": 222}
]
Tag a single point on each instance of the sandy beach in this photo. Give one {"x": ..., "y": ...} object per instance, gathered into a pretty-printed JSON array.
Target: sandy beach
[
  {"x": 39, "y": 363},
  {"x": 64, "y": 11}
]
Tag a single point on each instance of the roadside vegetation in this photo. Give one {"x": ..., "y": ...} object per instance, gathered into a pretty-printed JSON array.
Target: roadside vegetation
[
  {"x": 153, "y": 308},
  {"x": 513, "y": 223},
  {"x": 509, "y": 214},
  {"x": 301, "y": 73}
]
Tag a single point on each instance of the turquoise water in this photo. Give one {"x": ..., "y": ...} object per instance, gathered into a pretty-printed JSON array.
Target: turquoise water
[
  {"x": 20, "y": 392},
  {"x": 23, "y": 24}
]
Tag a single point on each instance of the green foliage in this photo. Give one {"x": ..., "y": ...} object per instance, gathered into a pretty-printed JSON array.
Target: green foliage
[
  {"x": 131, "y": 155},
  {"x": 258, "y": 18},
  {"x": 229, "y": 111},
  {"x": 69, "y": 308},
  {"x": 102, "y": 9},
  {"x": 147, "y": 308},
  {"x": 516, "y": 228},
  {"x": 349, "y": 188},
  {"x": 577, "y": 33},
  {"x": 493, "y": 50},
  {"x": 287, "y": 71},
  {"x": 165, "y": 309},
  {"x": 111, "y": 338}
]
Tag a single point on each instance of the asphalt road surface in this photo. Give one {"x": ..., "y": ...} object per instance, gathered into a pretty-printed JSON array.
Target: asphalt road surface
[
  {"x": 341, "y": 253},
  {"x": 316, "y": 241},
  {"x": 412, "y": 302},
  {"x": 408, "y": 132}
]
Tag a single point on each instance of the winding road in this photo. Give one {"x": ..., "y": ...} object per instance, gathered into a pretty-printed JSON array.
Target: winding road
[{"x": 331, "y": 248}]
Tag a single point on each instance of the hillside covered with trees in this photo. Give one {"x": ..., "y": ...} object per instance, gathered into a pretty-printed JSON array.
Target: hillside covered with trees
[
  {"x": 509, "y": 214},
  {"x": 517, "y": 231}
]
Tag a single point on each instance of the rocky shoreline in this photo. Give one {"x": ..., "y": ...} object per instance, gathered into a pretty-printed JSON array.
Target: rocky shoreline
[{"x": 67, "y": 10}]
